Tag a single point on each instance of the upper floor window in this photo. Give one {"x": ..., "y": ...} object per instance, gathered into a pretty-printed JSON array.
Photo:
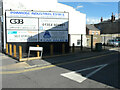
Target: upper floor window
[
  {"x": 92, "y": 33},
  {"x": 96, "y": 33}
]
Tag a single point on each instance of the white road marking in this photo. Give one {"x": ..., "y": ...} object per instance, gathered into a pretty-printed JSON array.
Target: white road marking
[
  {"x": 74, "y": 76},
  {"x": 78, "y": 77},
  {"x": 115, "y": 49}
]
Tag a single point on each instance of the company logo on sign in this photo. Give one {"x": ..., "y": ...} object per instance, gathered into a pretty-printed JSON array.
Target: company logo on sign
[
  {"x": 16, "y": 21},
  {"x": 47, "y": 35}
]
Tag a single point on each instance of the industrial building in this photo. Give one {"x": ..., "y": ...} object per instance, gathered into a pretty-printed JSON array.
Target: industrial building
[{"x": 53, "y": 17}]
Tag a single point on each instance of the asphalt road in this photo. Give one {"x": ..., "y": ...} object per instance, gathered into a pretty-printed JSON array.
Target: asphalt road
[{"x": 97, "y": 72}]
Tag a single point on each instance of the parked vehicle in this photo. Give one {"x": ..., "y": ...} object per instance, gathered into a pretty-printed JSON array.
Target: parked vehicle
[
  {"x": 117, "y": 42},
  {"x": 110, "y": 42},
  {"x": 114, "y": 42}
]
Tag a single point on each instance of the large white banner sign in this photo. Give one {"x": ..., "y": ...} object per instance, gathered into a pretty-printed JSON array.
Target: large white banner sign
[{"x": 28, "y": 26}]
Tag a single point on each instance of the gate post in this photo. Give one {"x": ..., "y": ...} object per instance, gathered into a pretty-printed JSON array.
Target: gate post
[
  {"x": 14, "y": 49},
  {"x": 10, "y": 47},
  {"x": 91, "y": 42},
  {"x": 6, "y": 48},
  {"x": 81, "y": 42},
  {"x": 63, "y": 48},
  {"x": 38, "y": 53},
  {"x": 73, "y": 47},
  {"x": 104, "y": 42},
  {"x": 51, "y": 49},
  {"x": 20, "y": 52}
]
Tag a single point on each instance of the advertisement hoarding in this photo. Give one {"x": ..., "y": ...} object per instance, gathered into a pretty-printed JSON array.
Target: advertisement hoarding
[{"x": 28, "y": 26}]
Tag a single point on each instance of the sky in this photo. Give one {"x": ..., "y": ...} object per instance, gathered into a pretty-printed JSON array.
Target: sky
[{"x": 95, "y": 10}]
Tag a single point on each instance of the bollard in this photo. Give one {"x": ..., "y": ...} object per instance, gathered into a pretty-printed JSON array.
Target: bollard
[
  {"x": 51, "y": 49},
  {"x": 38, "y": 53},
  {"x": 10, "y": 47},
  {"x": 91, "y": 42},
  {"x": 6, "y": 48},
  {"x": 104, "y": 42},
  {"x": 81, "y": 42},
  {"x": 73, "y": 47},
  {"x": 63, "y": 48},
  {"x": 20, "y": 52},
  {"x": 14, "y": 50}
]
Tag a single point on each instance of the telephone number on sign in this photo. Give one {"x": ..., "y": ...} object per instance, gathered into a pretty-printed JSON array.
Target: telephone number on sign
[{"x": 51, "y": 24}]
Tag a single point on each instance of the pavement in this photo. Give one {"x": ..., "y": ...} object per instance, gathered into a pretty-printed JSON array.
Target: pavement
[{"x": 10, "y": 64}]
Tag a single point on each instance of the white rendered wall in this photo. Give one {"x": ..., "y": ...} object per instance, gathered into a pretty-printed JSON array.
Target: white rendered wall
[
  {"x": 75, "y": 37},
  {"x": 77, "y": 20}
]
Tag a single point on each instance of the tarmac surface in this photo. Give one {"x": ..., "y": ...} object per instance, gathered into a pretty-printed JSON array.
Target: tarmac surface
[
  {"x": 74, "y": 70},
  {"x": 10, "y": 64}
]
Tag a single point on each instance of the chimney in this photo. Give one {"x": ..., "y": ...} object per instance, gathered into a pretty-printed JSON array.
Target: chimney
[
  {"x": 112, "y": 18},
  {"x": 101, "y": 19}
]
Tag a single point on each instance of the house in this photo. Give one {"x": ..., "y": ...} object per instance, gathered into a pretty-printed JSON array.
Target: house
[
  {"x": 110, "y": 28},
  {"x": 92, "y": 30}
]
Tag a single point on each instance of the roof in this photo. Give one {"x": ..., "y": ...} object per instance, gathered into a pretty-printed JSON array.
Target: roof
[
  {"x": 109, "y": 21},
  {"x": 92, "y": 27}
]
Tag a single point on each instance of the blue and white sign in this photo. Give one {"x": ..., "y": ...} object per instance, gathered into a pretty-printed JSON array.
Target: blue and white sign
[
  {"x": 53, "y": 36},
  {"x": 31, "y": 26},
  {"x": 36, "y": 14}
]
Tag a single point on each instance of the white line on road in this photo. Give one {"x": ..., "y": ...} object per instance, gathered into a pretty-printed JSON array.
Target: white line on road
[
  {"x": 115, "y": 49},
  {"x": 78, "y": 77}
]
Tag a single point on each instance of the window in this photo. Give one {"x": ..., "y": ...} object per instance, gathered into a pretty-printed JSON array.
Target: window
[
  {"x": 92, "y": 33},
  {"x": 96, "y": 33},
  {"x": 78, "y": 42}
]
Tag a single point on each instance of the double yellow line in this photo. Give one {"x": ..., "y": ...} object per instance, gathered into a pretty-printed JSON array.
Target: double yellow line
[{"x": 50, "y": 66}]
